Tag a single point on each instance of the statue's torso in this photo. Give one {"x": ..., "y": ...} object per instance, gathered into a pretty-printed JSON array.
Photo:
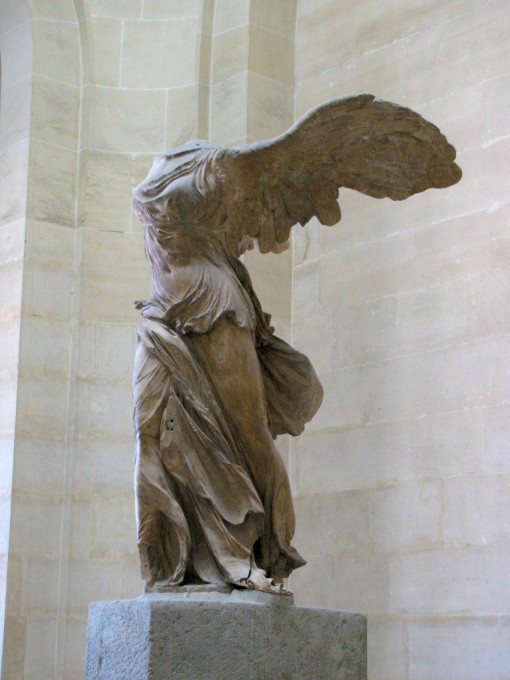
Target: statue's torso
[{"x": 193, "y": 281}]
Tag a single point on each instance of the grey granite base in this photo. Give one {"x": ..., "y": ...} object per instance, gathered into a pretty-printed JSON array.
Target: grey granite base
[{"x": 215, "y": 633}]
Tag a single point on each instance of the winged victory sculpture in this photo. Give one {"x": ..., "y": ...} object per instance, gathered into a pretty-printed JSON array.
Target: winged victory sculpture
[{"x": 213, "y": 384}]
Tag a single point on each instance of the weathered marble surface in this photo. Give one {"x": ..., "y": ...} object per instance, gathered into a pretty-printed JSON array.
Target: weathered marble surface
[
  {"x": 205, "y": 633},
  {"x": 213, "y": 385}
]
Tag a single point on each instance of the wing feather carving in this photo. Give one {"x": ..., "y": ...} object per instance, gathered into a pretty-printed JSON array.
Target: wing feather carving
[{"x": 375, "y": 147}]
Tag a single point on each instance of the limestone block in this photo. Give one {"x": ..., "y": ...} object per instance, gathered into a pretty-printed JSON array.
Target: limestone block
[
  {"x": 12, "y": 245},
  {"x": 5, "y": 507},
  {"x": 476, "y": 509},
  {"x": 13, "y": 171},
  {"x": 105, "y": 49},
  {"x": 459, "y": 247},
  {"x": 122, "y": 120},
  {"x": 352, "y": 571},
  {"x": 495, "y": 123},
  {"x": 271, "y": 272},
  {"x": 106, "y": 351},
  {"x": 418, "y": 384},
  {"x": 277, "y": 17},
  {"x": 159, "y": 54},
  {"x": 14, "y": 646},
  {"x": 459, "y": 648},
  {"x": 271, "y": 106},
  {"x": 309, "y": 336},
  {"x": 207, "y": 16},
  {"x": 499, "y": 225},
  {"x": 89, "y": 580},
  {"x": 445, "y": 314},
  {"x": 81, "y": 526},
  {"x": 230, "y": 14},
  {"x": 44, "y": 346},
  {"x": 171, "y": 9},
  {"x": 117, "y": 536},
  {"x": 8, "y": 390},
  {"x": 306, "y": 292},
  {"x": 365, "y": 332},
  {"x": 229, "y": 636},
  {"x": 42, "y": 402},
  {"x": 121, "y": 9},
  {"x": 354, "y": 458},
  {"x": 386, "y": 647},
  {"x": 104, "y": 409},
  {"x": 16, "y": 63},
  {"x": 390, "y": 386},
  {"x": 40, "y": 636},
  {"x": 491, "y": 294},
  {"x": 318, "y": 28},
  {"x": 104, "y": 258},
  {"x": 40, "y": 586},
  {"x": 40, "y": 462},
  {"x": 52, "y": 183},
  {"x": 74, "y": 648},
  {"x": 229, "y": 109},
  {"x": 468, "y": 36},
  {"x": 9, "y": 341},
  {"x": 384, "y": 267},
  {"x": 449, "y": 444},
  {"x": 11, "y": 277},
  {"x": 12, "y": 13},
  {"x": 484, "y": 367},
  {"x": 369, "y": 73},
  {"x": 183, "y": 115},
  {"x": 376, "y": 25},
  {"x": 406, "y": 516},
  {"x": 33, "y": 522},
  {"x": 6, "y": 449},
  {"x": 344, "y": 401},
  {"x": 49, "y": 243},
  {"x": 230, "y": 53},
  {"x": 57, "y": 51},
  {"x": 107, "y": 193},
  {"x": 495, "y": 438},
  {"x": 205, "y": 65},
  {"x": 453, "y": 580},
  {"x": 14, "y": 589},
  {"x": 15, "y": 113},
  {"x": 103, "y": 463},
  {"x": 46, "y": 9},
  {"x": 271, "y": 55},
  {"x": 343, "y": 518},
  {"x": 45, "y": 282}
]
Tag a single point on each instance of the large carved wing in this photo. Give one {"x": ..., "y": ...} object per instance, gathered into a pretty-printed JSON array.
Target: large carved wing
[{"x": 372, "y": 146}]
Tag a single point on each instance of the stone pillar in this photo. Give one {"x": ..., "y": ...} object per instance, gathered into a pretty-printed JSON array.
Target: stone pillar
[{"x": 210, "y": 632}]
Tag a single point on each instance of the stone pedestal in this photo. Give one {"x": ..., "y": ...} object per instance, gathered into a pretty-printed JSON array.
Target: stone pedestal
[{"x": 215, "y": 633}]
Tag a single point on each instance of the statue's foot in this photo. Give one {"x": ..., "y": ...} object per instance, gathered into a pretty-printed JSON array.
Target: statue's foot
[{"x": 257, "y": 580}]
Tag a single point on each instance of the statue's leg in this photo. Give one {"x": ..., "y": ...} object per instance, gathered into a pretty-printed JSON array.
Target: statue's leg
[
  {"x": 229, "y": 356},
  {"x": 151, "y": 385}
]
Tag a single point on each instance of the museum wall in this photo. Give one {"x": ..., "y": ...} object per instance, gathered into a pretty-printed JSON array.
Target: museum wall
[
  {"x": 112, "y": 84},
  {"x": 401, "y": 480},
  {"x": 15, "y": 77}
]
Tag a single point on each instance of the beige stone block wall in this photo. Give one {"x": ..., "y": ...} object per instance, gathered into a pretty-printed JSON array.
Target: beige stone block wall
[
  {"x": 15, "y": 35},
  {"x": 402, "y": 479}
]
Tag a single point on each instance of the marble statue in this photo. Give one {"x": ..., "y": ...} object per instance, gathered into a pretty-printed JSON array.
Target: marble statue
[{"x": 213, "y": 384}]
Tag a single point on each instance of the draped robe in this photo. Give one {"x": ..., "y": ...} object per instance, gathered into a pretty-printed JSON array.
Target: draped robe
[{"x": 211, "y": 505}]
